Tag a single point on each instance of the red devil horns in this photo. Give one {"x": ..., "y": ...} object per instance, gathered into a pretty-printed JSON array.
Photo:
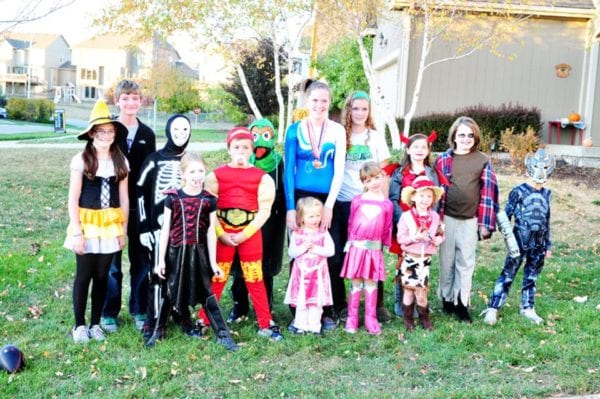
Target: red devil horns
[{"x": 430, "y": 139}]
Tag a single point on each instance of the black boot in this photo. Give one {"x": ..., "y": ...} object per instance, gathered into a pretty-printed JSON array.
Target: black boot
[
  {"x": 462, "y": 312},
  {"x": 213, "y": 311},
  {"x": 158, "y": 333},
  {"x": 448, "y": 307}
]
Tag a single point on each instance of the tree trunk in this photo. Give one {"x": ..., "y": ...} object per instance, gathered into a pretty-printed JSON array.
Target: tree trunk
[
  {"x": 378, "y": 96},
  {"x": 280, "y": 125},
  {"x": 248, "y": 93},
  {"x": 419, "y": 82}
]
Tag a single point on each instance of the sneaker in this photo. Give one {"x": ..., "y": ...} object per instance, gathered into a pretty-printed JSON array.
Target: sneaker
[
  {"x": 235, "y": 317},
  {"x": 80, "y": 335},
  {"x": 140, "y": 320},
  {"x": 96, "y": 333},
  {"x": 109, "y": 324},
  {"x": 530, "y": 314},
  {"x": 490, "y": 316},
  {"x": 201, "y": 327},
  {"x": 293, "y": 329},
  {"x": 189, "y": 329},
  {"x": 328, "y": 324},
  {"x": 271, "y": 332},
  {"x": 383, "y": 315},
  {"x": 343, "y": 315}
]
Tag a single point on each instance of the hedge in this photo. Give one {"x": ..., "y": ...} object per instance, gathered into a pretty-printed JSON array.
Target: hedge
[
  {"x": 31, "y": 110},
  {"x": 492, "y": 122}
]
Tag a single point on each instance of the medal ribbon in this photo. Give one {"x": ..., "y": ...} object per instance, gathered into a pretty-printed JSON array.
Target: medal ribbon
[{"x": 316, "y": 149}]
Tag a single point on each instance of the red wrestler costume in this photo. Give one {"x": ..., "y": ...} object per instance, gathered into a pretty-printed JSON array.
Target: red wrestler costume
[{"x": 245, "y": 195}]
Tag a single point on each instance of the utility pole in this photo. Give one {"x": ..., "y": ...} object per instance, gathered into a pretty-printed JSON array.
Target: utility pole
[{"x": 29, "y": 69}]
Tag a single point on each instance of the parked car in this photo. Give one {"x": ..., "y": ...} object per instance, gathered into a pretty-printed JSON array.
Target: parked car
[{"x": 3, "y": 113}]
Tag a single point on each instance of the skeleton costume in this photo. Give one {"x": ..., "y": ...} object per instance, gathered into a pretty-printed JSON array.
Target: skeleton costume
[
  {"x": 159, "y": 173},
  {"x": 273, "y": 231},
  {"x": 530, "y": 207}
]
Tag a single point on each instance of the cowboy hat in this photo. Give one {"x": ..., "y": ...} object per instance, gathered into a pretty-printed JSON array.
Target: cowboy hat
[
  {"x": 100, "y": 115},
  {"x": 419, "y": 184}
]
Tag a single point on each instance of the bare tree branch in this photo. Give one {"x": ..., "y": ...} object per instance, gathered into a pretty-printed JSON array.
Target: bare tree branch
[{"x": 29, "y": 11}]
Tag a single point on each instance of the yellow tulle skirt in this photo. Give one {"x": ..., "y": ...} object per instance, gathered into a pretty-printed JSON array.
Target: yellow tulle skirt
[{"x": 101, "y": 229}]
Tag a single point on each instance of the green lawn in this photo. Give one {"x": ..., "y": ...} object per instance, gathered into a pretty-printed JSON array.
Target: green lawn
[{"x": 512, "y": 359}]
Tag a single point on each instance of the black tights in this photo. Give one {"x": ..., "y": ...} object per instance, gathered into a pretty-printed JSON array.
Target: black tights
[{"x": 90, "y": 267}]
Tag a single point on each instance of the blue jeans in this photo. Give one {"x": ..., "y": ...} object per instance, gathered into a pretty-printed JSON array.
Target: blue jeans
[{"x": 139, "y": 267}]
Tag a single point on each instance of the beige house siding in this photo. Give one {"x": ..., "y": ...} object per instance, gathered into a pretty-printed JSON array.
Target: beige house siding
[{"x": 483, "y": 78}]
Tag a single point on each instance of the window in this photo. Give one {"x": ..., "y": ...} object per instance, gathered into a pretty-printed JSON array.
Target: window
[
  {"x": 90, "y": 92},
  {"x": 89, "y": 74}
]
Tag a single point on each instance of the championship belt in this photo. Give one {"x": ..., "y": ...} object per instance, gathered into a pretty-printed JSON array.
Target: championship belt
[{"x": 235, "y": 217}]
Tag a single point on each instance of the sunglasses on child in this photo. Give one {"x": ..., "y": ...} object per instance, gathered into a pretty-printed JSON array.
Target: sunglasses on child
[{"x": 463, "y": 135}]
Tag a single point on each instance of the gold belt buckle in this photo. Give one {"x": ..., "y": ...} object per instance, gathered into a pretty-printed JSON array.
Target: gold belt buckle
[{"x": 237, "y": 217}]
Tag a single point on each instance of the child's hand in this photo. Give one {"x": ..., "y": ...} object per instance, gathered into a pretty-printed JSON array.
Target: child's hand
[
  {"x": 161, "y": 269},
  {"x": 227, "y": 239},
  {"x": 290, "y": 220},
  {"x": 484, "y": 233},
  {"x": 548, "y": 254},
  {"x": 218, "y": 272},
  {"x": 122, "y": 242},
  {"x": 309, "y": 246},
  {"x": 421, "y": 235},
  {"x": 79, "y": 244},
  {"x": 239, "y": 238},
  {"x": 437, "y": 240}
]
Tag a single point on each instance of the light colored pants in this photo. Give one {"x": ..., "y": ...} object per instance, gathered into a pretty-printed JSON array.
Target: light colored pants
[
  {"x": 457, "y": 259},
  {"x": 309, "y": 319}
]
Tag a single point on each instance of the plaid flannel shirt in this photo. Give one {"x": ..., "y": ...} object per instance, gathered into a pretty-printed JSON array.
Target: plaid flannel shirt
[{"x": 488, "y": 199}]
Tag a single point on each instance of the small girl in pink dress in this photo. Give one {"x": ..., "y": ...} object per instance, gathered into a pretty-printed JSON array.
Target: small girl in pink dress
[
  {"x": 420, "y": 233},
  {"x": 369, "y": 229},
  {"x": 309, "y": 288}
]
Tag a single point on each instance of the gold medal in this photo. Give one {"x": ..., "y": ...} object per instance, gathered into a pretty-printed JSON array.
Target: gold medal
[{"x": 317, "y": 164}]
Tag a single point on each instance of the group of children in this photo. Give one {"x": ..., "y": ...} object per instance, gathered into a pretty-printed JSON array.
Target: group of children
[{"x": 193, "y": 229}]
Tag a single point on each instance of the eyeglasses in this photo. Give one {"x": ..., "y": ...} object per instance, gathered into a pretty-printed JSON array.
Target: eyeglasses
[
  {"x": 105, "y": 132},
  {"x": 463, "y": 135}
]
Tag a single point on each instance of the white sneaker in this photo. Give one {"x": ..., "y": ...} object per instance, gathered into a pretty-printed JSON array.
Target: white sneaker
[
  {"x": 490, "y": 316},
  {"x": 530, "y": 314},
  {"x": 80, "y": 335},
  {"x": 96, "y": 333}
]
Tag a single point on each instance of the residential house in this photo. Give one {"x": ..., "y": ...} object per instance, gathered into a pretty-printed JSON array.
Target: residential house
[
  {"x": 30, "y": 63},
  {"x": 104, "y": 60},
  {"x": 555, "y": 65}
]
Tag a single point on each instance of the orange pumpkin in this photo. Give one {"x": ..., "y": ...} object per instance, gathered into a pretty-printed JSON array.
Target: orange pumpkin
[{"x": 574, "y": 117}]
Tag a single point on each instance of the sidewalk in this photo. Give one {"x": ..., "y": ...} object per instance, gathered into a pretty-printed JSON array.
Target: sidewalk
[{"x": 201, "y": 147}]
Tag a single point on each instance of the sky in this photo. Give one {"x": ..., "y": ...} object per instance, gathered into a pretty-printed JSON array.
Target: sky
[{"x": 74, "y": 23}]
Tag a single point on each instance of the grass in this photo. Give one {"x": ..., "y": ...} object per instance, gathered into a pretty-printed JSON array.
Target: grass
[{"x": 512, "y": 359}]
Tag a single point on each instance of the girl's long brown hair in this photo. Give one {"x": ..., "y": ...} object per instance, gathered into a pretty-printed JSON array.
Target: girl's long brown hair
[
  {"x": 406, "y": 161},
  {"x": 347, "y": 118},
  {"x": 90, "y": 160}
]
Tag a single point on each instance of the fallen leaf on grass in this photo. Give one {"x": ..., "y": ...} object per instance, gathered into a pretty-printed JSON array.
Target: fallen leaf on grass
[
  {"x": 529, "y": 369},
  {"x": 174, "y": 372},
  {"x": 143, "y": 372},
  {"x": 234, "y": 381},
  {"x": 9, "y": 318},
  {"x": 35, "y": 311},
  {"x": 592, "y": 371},
  {"x": 58, "y": 374},
  {"x": 41, "y": 259},
  {"x": 598, "y": 307},
  {"x": 581, "y": 299},
  {"x": 259, "y": 376}
]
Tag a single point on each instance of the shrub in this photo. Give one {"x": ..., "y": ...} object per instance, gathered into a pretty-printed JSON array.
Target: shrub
[
  {"x": 519, "y": 145},
  {"x": 492, "y": 122},
  {"x": 31, "y": 110}
]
